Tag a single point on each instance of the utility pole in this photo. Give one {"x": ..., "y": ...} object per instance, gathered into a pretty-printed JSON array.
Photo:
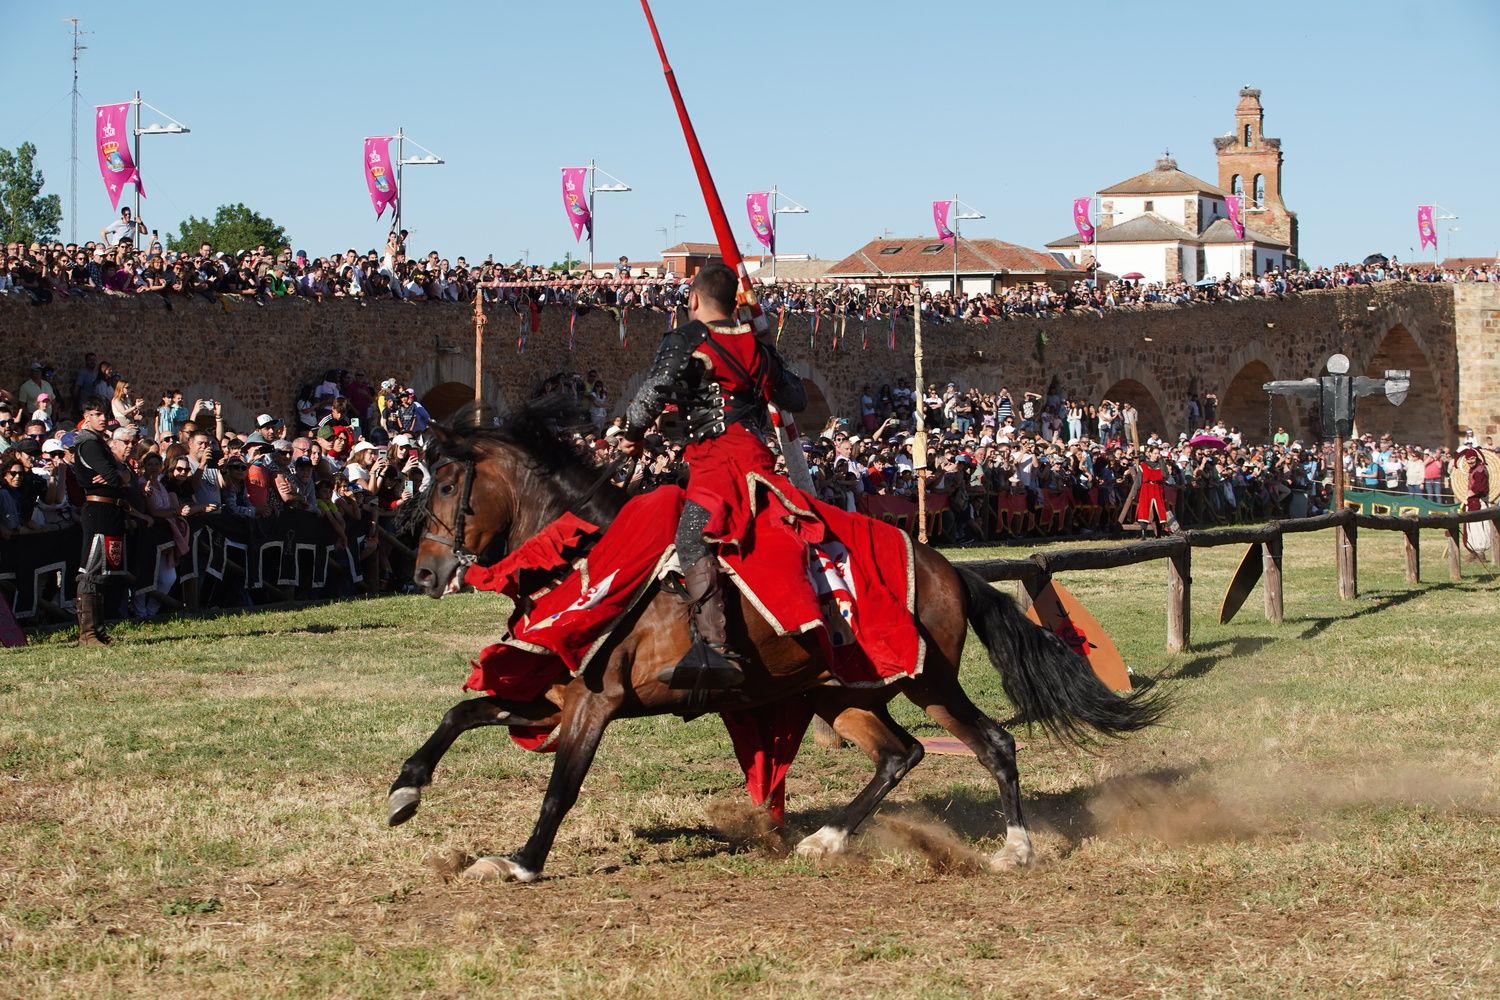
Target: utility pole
[{"x": 73, "y": 185}]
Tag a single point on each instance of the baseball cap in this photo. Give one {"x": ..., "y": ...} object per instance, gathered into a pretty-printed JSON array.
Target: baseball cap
[
  {"x": 389, "y": 383},
  {"x": 52, "y": 446},
  {"x": 362, "y": 446},
  {"x": 43, "y": 397},
  {"x": 403, "y": 440},
  {"x": 266, "y": 420}
]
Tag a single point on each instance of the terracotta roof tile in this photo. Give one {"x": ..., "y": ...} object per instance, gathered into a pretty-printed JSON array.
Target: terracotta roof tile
[{"x": 929, "y": 255}]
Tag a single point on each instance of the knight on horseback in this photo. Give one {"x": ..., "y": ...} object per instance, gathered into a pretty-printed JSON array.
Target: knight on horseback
[{"x": 709, "y": 385}]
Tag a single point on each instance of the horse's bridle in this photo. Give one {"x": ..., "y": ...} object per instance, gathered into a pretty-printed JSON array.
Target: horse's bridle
[{"x": 456, "y": 537}]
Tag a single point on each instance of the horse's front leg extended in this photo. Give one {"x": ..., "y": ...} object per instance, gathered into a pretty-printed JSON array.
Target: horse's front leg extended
[
  {"x": 416, "y": 773},
  {"x": 585, "y": 714}
]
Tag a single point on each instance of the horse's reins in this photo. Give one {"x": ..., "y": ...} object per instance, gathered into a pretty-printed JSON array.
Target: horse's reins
[{"x": 455, "y": 539}]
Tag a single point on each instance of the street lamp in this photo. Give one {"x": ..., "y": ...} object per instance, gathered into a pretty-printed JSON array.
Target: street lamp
[
  {"x": 174, "y": 127},
  {"x": 616, "y": 188},
  {"x": 402, "y": 160},
  {"x": 791, "y": 209},
  {"x": 959, "y": 215}
]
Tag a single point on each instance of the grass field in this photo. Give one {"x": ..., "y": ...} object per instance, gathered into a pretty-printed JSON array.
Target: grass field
[{"x": 199, "y": 811}]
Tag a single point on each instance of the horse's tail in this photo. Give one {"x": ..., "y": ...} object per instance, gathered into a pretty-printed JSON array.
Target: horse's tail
[{"x": 1048, "y": 682}]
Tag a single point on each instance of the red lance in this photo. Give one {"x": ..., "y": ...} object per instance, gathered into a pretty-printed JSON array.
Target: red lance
[{"x": 729, "y": 249}]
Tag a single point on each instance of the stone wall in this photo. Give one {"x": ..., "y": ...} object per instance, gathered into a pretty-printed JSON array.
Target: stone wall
[
  {"x": 254, "y": 357},
  {"x": 1476, "y": 311}
]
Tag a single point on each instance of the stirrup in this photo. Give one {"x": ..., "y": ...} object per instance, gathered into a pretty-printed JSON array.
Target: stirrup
[{"x": 704, "y": 668}]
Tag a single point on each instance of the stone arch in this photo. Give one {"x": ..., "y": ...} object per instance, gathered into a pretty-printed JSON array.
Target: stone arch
[
  {"x": 1123, "y": 381},
  {"x": 1244, "y": 405},
  {"x": 442, "y": 401},
  {"x": 820, "y": 401},
  {"x": 1149, "y": 417},
  {"x": 1420, "y": 418}
]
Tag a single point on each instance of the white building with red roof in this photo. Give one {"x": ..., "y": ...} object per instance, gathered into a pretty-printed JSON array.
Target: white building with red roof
[{"x": 983, "y": 265}]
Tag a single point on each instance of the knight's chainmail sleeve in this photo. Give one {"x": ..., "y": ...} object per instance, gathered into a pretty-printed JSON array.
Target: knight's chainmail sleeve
[{"x": 673, "y": 356}]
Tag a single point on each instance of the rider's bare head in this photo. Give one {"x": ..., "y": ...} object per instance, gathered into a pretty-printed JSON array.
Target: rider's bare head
[{"x": 715, "y": 287}]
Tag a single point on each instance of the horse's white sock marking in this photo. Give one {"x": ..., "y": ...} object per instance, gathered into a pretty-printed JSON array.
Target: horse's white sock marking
[
  {"x": 828, "y": 840},
  {"x": 1017, "y": 850},
  {"x": 493, "y": 869}
]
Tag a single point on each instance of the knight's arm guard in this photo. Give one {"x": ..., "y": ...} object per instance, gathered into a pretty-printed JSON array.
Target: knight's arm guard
[{"x": 673, "y": 356}]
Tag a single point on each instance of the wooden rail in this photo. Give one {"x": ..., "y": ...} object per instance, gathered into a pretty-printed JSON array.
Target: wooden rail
[{"x": 1034, "y": 571}]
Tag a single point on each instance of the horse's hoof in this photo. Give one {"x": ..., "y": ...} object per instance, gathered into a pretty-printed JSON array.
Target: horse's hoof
[
  {"x": 1015, "y": 854},
  {"x": 826, "y": 842},
  {"x": 403, "y": 804},
  {"x": 498, "y": 870}
]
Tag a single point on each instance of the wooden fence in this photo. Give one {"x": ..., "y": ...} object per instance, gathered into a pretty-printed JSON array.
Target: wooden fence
[{"x": 1034, "y": 572}]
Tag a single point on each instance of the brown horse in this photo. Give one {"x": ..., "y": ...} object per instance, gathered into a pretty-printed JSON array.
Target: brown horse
[{"x": 494, "y": 488}]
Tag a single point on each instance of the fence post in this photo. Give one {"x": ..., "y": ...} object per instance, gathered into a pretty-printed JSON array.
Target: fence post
[
  {"x": 1346, "y": 541},
  {"x": 1495, "y": 541},
  {"x": 1180, "y": 599},
  {"x": 1270, "y": 562},
  {"x": 1455, "y": 553},
  {"x": 1413, "y": 554}
]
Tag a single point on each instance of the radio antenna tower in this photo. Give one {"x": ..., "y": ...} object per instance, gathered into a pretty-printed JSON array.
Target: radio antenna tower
[{"x": 73, "y": 186}]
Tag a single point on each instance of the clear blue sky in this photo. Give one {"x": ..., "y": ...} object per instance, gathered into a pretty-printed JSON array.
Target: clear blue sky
[{"x": 863, "y": 111}]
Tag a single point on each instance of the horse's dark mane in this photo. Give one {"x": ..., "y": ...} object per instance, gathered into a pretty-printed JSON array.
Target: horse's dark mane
[{"x": 541, "y": 430}]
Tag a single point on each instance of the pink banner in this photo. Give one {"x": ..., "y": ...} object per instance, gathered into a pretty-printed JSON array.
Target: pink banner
[
  {"x": 112, "y": 140},
  {"x": 760, "y": 219},
  {"x": 380, "y": 173},
  {"x": 940, "y": 218},
  {"x": 576, "y": 201},
  {"x": 1425, "y": 228},
  {"x": 1233, "y": 205},
  {"x": 1081, "y": 219}
]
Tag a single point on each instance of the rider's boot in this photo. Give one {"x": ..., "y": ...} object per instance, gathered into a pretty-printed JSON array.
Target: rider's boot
[
  {"x": 710, "y": 665},
  {"x": 90, "y": 621}
]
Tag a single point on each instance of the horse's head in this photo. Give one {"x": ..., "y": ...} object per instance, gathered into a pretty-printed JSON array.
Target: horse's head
[{"x": 469, "y": 510}]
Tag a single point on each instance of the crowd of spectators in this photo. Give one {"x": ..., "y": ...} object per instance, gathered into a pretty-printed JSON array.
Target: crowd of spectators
[
  {"x": 351, "y": 454},
  {"x": 1002, "y": 465},
  {"x": 128, "y": 259}
]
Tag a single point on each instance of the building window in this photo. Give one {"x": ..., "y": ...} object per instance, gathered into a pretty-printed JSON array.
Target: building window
[
  {"x": 1247, "y": 137},
  {"x": 934, "y": 248},
  {"x": 1260, "y": 190},
  {"x": 888, "y": 251},
  {"x": 1236, "y": 185},
  {"x": 1150, "y": 206}
]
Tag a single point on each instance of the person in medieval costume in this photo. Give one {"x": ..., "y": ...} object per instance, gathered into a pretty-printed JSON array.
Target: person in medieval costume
[
  {"x": 1147, "y": 502},
  {"x": 710, "y": 383},
  {"x": 1475, "y": 481}
]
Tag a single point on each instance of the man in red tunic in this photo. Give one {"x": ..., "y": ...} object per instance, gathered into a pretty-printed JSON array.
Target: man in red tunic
[{"x": 710, "y": 383}]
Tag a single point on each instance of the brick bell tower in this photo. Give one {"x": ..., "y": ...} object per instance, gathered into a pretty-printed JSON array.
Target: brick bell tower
[{"x": 1250, "y": 164}]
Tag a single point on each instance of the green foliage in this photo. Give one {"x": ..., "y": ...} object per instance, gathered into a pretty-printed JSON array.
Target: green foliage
[
  {"x": 234, "y": 228},
  {"x": 26, "y": 214},
  {"x": 187, "y": 906}
]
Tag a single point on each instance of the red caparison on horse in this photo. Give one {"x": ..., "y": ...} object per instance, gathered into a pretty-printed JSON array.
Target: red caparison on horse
[{"x": 495, "y": 488}]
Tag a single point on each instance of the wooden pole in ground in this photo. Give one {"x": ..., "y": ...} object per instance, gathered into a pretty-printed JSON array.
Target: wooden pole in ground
[
  {"x": 1270, "y": 562},
  {"x": 1413, "y": 548},
  {"x": 919, "y": 449},
  {"x": 1344, "y": 538},
  {"x": 1180, "y": 600},
  {"x": 1495, "y": 542},
  {"x": 1455, "y": 553},
  {"x": 479, "y": 324}
]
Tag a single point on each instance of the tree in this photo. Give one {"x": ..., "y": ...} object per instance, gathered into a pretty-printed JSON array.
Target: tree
[
  {"x": 25, "y": 214},
  {"x": 234, "y": 228}
]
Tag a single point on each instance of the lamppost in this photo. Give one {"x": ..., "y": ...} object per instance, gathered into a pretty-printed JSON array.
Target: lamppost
[
  {"x": 155, "y": 128},
  {"x": 402, "y": 160},
  {"x": 617, "y": 187},
  {"x": 792, "y": 209},
  {"x": 959, "y": 215}
]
